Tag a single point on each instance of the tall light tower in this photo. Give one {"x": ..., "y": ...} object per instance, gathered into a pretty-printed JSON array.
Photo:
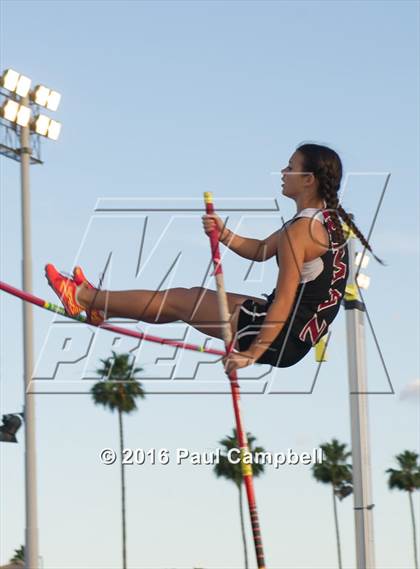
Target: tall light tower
[
  {"x": 356, "y": 356},
  {"x": 23, "y": 123}
]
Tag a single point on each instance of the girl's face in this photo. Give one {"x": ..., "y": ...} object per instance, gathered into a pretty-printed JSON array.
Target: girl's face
[{"x": 294, "y": 181}]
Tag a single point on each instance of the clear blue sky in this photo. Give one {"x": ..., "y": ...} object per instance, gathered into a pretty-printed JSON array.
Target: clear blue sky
[{"x": 162, "y": 101}]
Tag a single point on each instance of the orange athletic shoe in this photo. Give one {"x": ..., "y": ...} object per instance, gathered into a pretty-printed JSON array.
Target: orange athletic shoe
[
  {"x": 95, "y": 317},
  {"x": 65, "y": 288}
]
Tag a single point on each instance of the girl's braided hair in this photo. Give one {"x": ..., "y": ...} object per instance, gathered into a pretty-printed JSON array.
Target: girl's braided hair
[{"x": 326, "y": 166}]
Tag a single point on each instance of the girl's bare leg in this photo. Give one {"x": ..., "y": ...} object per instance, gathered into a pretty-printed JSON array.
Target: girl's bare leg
[{"x": 196, "y": 306}]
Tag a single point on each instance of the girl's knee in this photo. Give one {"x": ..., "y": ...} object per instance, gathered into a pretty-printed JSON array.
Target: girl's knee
[
  {"x": 177, "y": 300},
  {"x": 196, "y": 290}
]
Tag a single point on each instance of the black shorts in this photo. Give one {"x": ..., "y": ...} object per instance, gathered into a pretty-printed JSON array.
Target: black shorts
[{"x": 279, "y": 353}]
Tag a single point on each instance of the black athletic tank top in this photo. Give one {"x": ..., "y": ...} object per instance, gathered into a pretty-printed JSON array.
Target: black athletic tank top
[{"x": 321, "y": 289}]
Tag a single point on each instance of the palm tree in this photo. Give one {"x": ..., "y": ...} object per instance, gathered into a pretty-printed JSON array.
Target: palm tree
[
  {"x": 119, "y": 392},
  {"x": 335, "y": 470},
  {"x": 227, "y": 469},
  {"x": 19, "y": 555},
  {"x": 408, "y": 479}
]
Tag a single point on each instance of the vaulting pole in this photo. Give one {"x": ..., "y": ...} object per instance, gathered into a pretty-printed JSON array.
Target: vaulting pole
[{"x": 227, "y": 338}]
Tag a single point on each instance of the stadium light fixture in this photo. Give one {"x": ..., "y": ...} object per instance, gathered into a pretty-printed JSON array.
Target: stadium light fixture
[
  {"x": 23, "y": 86},
  {"x": 16, "y": 113},
  {"x": 53, "y": 100},
  {"x": 361, "y": 261},
  {"x": 16, "y": 83},
  {"x": 363, "y": 281},
  {"x": 10, "y": 110},
  {"x": 23, "y": 115},
  {"x": 46, "y": 97},
  {"x": 360, "y": 258},
  {"x": 40, "y": 95},
  {"x": 10, "y": 80},
  {"x": 45, "y": 126},
  {"x": 41, "y": 123},
  {"x": 54, "y": 129},
  {"x": 20, "y": 114}
]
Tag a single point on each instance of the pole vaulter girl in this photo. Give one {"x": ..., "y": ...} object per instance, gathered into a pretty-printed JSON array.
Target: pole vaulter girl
[{"x": 312, "y": 256}]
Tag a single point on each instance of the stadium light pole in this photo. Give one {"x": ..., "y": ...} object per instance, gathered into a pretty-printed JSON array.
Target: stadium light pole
[
  {"x": 358, "y": 392},
  {"x": 31, "y": 530},
  {"x": 17, "y": 109}
]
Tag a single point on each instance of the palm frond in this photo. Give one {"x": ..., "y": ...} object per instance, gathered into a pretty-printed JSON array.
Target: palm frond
[
  {"x": 408, "y": 477},
  {"x": 334, "y": 468},
  {"x": 120, "y": 388},
  {"x": 233, "y": 472}
]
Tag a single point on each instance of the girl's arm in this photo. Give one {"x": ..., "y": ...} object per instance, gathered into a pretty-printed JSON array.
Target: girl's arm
[{"x": 253, "y": 249}]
